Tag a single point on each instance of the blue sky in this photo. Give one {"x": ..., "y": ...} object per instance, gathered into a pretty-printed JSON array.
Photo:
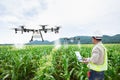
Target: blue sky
[{"x": 76, "y": 17}]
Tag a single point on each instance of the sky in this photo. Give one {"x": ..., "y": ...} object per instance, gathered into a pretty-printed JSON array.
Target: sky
[{"x": 76, "y": 18}]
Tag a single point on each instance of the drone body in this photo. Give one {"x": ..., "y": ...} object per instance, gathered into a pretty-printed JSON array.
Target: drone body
[
  {"x": 72, "y": 39},
  {"x": 38, "y": 31}
]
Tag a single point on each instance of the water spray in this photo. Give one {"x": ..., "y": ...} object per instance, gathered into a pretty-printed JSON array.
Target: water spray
[
  {"x": 19, "y": 45},
  {"x": 66, "y": 42},
  {"x": 57, "y": 44},
  {"x": 72, "y": 40},
  {"x": 79, "y": 44}
]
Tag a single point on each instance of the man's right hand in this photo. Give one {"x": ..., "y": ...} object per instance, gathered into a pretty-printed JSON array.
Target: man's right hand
[{"x": 85, "y": 60}]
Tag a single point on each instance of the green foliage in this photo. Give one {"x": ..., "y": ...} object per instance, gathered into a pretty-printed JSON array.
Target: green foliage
[{"x": 45, "y": 63}]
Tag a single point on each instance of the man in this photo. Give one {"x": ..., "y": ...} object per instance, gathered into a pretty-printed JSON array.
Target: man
[{"x": 97, "y": 63}]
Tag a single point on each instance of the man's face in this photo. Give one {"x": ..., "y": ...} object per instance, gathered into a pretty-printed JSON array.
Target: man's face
[{"x": 93, "y": 40}]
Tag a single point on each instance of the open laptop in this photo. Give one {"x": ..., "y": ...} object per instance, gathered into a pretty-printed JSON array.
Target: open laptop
[{"x": 79, "y": 57}]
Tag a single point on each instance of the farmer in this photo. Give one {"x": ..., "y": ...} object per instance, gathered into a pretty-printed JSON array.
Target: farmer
[{"x": 97, "y": 63}]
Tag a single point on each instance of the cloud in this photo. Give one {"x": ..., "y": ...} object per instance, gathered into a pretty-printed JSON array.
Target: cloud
[
  {"x": 8, "y": 18},
  {"x": 77, "y": 17}
]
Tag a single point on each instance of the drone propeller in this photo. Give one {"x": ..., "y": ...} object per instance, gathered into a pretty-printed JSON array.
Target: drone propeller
[
  {"x": 78, "y": 39},
  {"x": 43, "y": 26},
  {"x": 52, "y": 29},
  {"x": 45, "y": 31},
  {"x": 58, "y": 27},
  {"x": 16, "y": 29},
  {"x": 22, "y": 29},
  {"x": 66, "y": 39}
]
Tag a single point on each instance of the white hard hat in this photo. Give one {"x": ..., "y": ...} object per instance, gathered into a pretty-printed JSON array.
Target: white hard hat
[{"x": 97, "y": 35}]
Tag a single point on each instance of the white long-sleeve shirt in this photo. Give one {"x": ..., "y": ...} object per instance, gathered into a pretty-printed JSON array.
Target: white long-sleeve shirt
[{"x": 97, "y": 55}]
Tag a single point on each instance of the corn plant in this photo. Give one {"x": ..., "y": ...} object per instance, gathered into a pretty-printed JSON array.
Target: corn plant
[{"x": 42, "y": 62}]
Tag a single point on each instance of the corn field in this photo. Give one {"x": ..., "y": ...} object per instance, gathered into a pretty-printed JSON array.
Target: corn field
[{"x": 43, "y": 62}]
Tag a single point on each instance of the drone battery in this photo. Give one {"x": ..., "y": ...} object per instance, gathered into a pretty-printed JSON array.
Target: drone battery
[{"x": 36, "y": 35}]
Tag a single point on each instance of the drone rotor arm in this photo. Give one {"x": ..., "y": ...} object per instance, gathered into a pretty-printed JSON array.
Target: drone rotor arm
[{"x": 41, "y": 35}]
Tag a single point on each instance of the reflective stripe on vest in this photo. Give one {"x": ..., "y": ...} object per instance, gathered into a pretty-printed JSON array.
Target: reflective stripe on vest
[{"x": 101, "y": 67}]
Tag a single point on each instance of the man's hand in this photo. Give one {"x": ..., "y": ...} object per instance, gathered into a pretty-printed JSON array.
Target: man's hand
[{"x": 85, "y": 60}]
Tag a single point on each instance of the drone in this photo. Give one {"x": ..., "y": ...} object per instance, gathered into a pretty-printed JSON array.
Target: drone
[
  {"x": 38, "y": 31},
  {"x": 72, "y": 39}
]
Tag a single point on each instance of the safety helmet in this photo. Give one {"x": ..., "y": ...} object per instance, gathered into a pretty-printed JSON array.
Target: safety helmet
[{"x": 97, "y": 35}]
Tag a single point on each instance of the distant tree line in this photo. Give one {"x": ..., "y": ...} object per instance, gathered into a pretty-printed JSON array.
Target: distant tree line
[
  {"x": 88, "y": 39},
  {"x": 83, "y": 40}
]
